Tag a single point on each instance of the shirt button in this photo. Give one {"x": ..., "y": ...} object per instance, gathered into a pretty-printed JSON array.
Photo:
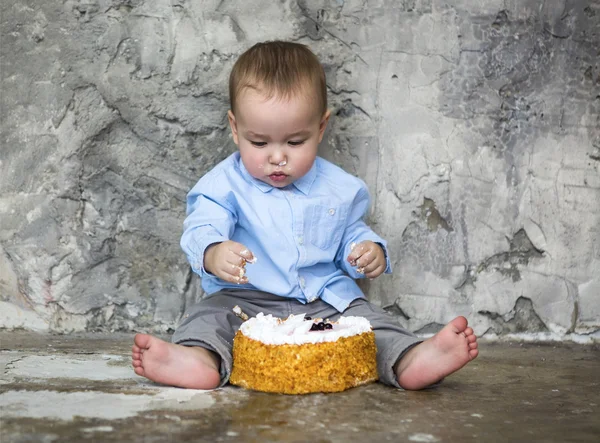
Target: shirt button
[
  {"x": 331, "y": 211},
  {"x": 300, "y": 240},
  {"x": 302, "y": 282}
]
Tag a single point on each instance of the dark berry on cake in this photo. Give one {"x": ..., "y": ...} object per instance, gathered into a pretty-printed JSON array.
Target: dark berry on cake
[{"x": 328, "y": 326}]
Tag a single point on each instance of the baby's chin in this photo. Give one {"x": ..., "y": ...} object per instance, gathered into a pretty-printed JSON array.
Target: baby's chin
[
  {"x": 278, "y": 184},
  {"x": 283, "y": 184}
]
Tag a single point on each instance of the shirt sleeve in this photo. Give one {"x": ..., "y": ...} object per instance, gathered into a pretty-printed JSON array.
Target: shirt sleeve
[
  {"x": 211, "y": 218},
  {"x": 358, "y": 231}
]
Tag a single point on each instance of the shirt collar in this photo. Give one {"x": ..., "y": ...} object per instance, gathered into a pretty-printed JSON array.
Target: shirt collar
[{"x": 303, "y": 184}]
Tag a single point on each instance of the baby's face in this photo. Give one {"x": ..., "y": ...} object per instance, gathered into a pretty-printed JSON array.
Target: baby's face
[{"x": 277, "y": 138}]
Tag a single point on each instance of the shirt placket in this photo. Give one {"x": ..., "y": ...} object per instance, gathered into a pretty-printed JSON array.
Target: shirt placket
[{"x": 299, "y": 240}]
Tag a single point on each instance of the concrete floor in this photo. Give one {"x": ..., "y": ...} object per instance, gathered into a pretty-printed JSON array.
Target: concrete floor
[{"x": 81, "y": 388}]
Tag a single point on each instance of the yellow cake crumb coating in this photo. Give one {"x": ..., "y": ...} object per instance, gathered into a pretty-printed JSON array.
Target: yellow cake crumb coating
[{"x": 302, "y": 369}]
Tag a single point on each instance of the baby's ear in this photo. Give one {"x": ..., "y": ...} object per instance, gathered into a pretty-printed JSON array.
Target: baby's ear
[
  {"x": 233, "y": 126},
  {"x": 323, "y": 124}
]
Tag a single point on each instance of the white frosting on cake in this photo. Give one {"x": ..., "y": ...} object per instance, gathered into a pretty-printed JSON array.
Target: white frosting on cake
[{"x": 296, "y": 331}]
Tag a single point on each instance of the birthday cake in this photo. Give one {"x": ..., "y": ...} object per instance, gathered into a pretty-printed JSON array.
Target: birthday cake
[{"x": 300, "y": 355}]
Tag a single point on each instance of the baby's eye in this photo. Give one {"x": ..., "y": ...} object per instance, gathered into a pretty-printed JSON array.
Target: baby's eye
[
  {"x": 258, "y": 144},
  {"x": 296, "y": 143}
]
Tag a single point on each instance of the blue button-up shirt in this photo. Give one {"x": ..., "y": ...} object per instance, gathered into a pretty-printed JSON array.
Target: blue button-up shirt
[{"x": 301, "y": 234}]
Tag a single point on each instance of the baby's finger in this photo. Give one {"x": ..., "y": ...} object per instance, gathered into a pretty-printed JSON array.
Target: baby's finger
[
  {"x": 365, "y": 259},
  {"x": 234, "y": 274},
  {"x": 235, "y": 260},
  {"x": 370, "y": 267},
  {"x": 236, "y": 270},
  {"x": 356, "y": 253},
  {"x": 243, "y": 252},
  {"x": 376, "y": 272}
]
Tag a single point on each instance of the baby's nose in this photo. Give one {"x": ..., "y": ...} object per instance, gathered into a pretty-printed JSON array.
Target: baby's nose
[{"x": 278, "y": 158}]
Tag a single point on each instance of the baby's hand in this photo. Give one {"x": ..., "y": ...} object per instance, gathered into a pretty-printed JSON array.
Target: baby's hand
[
  {"x": 369, "y": 258},
  {"x": 228, "y": 260}
]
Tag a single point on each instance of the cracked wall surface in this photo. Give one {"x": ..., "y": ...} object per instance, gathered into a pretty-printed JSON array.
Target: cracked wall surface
[{"x": 475, "y": 124}]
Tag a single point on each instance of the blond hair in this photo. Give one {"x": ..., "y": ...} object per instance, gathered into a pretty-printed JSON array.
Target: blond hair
[{"x": 279, "y": 68}]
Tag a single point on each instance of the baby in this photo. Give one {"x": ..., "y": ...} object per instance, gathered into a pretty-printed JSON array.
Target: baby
[{"x": 276, "y": 229}]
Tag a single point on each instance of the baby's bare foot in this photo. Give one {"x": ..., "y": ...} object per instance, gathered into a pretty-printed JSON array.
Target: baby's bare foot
[
  {"x": 174, "y": 365},
  {"x": 441, "y": 355}
]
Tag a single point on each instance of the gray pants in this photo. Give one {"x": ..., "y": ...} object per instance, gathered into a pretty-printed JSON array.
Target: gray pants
[{"x": 212, "y": 324}]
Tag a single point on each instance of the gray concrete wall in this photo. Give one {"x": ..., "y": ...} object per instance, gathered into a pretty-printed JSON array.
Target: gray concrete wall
[{"x": 476, "y": 125}]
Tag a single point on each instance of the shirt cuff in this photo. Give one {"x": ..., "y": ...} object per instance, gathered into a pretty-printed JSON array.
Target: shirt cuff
[
  {"x": 197, "y": 258},
  {"x": 388, "y": 264}
]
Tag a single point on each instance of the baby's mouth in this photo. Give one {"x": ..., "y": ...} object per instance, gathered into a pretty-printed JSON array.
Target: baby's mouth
[{"x": 278, "y": 176}]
